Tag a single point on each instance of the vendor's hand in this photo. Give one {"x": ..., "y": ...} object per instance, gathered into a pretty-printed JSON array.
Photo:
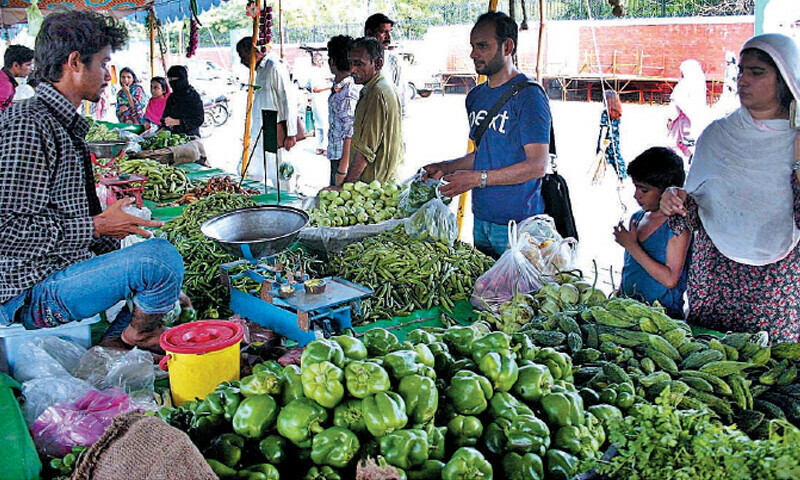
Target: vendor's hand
[
  {"x": 289, "y": 142},
  {"x": 672, "y": 202},
  {"x": 434, "y": 170},
  {"x": 114, "y": 222},
  {"x": 332, "y": 188},
  {"x": 626, "y": 238},
  {"x": 459, "y": 182},
  {"x": 171, "y": 122},
  {"x": 184, "y": 300}
]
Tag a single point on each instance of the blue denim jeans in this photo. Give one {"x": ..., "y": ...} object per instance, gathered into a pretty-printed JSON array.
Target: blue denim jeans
[
  {"x": 490, "y": 238},
  {"x": 149, "y": 272}
]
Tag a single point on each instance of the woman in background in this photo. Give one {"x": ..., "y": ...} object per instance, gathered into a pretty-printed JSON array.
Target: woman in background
[{"x": 131, "y": 99}]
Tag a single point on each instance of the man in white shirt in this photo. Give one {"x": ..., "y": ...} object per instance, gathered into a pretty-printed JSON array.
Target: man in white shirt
[
  {"x": 276, "y": 93},
  {"x": 379, "y": 26}
]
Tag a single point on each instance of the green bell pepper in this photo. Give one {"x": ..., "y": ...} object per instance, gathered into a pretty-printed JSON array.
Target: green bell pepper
[
  {"x": 226, "y": 449},
  {"x": 559, "y": 364},
  {"x": 469, "y": 392},
  {"x": 262, "y": 471},
  {"x": 402, "y": 363},
  {"x": 335, "y": 447},
  {"x": 533, "y": 382},
  {"x": 623, "y": 395},
  {"x": 494, "y": 436},
  {"x": 300, "y": 420},
  {"x": 526, "y": 349},
  {"x": 268, "y": 366},
  {"x": 203, "y": 426},
  {"x": 589, "y": 396},
  {"x": 380, "y": 341},
  {"x": 467, "y": 464},
  {"x": 322, "y": 350},
  {"x": 528, "y": 434},
  {"x": 523, "y": 467},
  {"x": 441, "y": 355},
  {"x": 429, "y": 470},
  {"x": 366, "y": 378},
  {"x": 504, "y": 405},
  {"x": 292, "y": 384},
  {"x": 437, "y": 437},
  {"x": 605, "y": 412},
  {"x": 461, "y": 338},
  {"x": 405, "y": 448},
  {"x": 273, "y": 448},
  {"x": 322, "y": 473},
  {"x": 563, "y": 408},
  {"x": 323, "y": 382},
  {"x": 350, "y": 415},
  {"x": 500, "y": 368},
  {"x": 255, "y": 416},
  {"x": 561, "y": 465},
  {"x": 261, "y": 383},
  {"x": 465, "y": 430},
  {"x": 462, "y": 364},
  {"x": 352, "y": 347},
  {"x": 596, "y": 429},
  {"x": 425, "y": 355},
  {"x": 421, "y": 398},
  {"x": 415, "y": 337},
  {"x": 221, "y": 470},
  {"x": 384, "y": 413},
  {"x": 493, "y": 342}
]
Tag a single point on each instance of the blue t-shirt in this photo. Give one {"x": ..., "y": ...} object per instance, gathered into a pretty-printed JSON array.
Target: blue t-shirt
[
  {"x": 638, "y": 284},
  {"x": 524, "y": 119}
]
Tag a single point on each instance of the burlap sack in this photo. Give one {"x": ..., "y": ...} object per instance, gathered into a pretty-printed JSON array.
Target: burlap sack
[{"x": 136, "y": 447}]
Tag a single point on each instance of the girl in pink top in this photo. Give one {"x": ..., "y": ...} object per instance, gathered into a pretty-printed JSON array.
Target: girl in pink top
[{"x": 155, "y": 107}]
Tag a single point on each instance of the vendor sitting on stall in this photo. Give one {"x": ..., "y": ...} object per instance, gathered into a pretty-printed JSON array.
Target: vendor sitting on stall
[{"x": 59, "y": 253}]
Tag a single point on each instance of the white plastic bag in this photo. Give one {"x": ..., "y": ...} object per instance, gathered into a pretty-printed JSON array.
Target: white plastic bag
[
  {"x": 417, "y": 192},
  {"x": 433, "y": 221},
  {"x": 512, "y": 274},
  {"x": 546, "y": 249}
]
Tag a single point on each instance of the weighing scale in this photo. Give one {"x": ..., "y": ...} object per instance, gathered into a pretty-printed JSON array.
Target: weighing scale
[
  {"x": 258, "y": 234},
  {"x": 119, "y": 185}
]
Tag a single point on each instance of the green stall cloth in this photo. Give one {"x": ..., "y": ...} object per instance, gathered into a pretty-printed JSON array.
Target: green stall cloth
[{"x": 21, "y": 461}]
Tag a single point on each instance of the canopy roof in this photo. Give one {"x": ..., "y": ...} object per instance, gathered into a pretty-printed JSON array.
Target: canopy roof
[{"x": 13, "y": 11}]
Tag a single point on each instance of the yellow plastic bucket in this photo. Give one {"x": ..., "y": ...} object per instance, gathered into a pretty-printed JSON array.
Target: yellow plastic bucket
[{"x": 200, "y": 356}]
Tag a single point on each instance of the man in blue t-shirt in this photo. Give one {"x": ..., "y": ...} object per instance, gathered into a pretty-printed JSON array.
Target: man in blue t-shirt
[{"x": 506, "y": 170}]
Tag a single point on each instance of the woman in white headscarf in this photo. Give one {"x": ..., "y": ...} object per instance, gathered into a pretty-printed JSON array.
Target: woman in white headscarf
[
  {"x": 688, "y": 100},
  {"x": 742, "y": 200}
]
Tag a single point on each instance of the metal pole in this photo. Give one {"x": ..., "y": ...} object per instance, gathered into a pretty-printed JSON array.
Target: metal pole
[
  {"x": 539, "y": 55},
  {"x": 248, "y": 118}
]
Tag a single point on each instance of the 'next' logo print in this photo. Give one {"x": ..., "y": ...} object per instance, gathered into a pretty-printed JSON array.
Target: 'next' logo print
[{"x": 476, "y": 118}]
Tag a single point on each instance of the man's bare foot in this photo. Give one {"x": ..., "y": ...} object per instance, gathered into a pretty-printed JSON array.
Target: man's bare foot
[{"x": 144, "y": 340}]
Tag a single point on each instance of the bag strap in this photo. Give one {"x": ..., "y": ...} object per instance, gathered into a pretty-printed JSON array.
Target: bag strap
[{"x": 515, "y": 88}]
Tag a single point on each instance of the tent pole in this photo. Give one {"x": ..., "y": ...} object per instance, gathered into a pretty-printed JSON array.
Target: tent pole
[
  {"x": 280, "y": 25},
  {"x": 250, "y": 90},
  {"x": 462, "y": 199},
  {"x": 539, "y": 55},
  {"x": 152, "y": 16}
]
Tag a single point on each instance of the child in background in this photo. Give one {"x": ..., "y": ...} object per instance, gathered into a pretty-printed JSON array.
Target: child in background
[{"x": 655, "y": 258}]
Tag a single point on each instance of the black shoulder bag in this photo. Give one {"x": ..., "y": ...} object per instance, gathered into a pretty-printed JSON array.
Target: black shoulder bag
[{"x": 555, "y": 192}]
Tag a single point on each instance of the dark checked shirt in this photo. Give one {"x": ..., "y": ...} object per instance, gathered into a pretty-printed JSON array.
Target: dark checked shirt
[{"x": 45, "y": 220}]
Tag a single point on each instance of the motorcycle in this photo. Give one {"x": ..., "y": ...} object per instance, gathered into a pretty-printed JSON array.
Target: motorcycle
[{"x": 218, "y": 108}]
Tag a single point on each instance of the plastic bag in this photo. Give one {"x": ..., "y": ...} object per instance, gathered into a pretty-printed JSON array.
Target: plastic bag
[
  {"x": 546, "y": 249},
  {"x": 111, "y": 368},
  {"x": 36, "y": 361},
  {"x": 433, "y": 221},
  {"x": 80, "y": 423},
  {"x": 41, "y": 393},
  {"x": 417, "y": 193},
  {"x": 512, "y": 274}
]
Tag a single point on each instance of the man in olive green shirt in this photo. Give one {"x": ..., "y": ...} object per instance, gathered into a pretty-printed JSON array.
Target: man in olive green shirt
[{"x": 377, "y": 144}]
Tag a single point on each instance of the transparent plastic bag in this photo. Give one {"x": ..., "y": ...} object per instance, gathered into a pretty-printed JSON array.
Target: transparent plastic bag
[
  {"x": 36, "y": 362},
  {"x": 41, "y": 393},
  {"x": 546, "y": 249},
  {"x": 67, "y": 353},
  {"x": 79, "y": 423},
  {"x": 417, "y": 192},
  {"x": 112, "y": 368},
  {"x": 433, "y": 221},
  {"x": 510, "y": 275}
]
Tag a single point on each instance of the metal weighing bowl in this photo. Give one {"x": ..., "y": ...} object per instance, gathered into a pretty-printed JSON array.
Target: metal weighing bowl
[
  {"x": 107, "y": 149},
  {"x": 256, "y": 232}
]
